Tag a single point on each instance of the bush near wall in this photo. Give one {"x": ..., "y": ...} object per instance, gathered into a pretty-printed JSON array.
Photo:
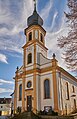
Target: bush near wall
[{"x": 50, "y": 112}]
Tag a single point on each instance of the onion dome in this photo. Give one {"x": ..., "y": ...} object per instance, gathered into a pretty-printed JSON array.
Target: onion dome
[{"x": 34, "y": 19}]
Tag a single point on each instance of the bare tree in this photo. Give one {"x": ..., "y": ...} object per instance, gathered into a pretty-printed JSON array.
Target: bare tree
[{"x": 69, "y": 43}]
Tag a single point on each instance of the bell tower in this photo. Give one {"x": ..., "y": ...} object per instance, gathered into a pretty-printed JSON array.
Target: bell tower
[
  {"x": 35, "y": 37},
  {"x": 35, "y": 44}
]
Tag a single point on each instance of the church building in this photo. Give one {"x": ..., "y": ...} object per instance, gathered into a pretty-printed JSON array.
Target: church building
[{"x": 40, "y": 83}]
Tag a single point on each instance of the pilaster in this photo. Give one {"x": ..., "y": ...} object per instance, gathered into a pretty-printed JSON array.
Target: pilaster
[
  {"x": 55, "y": 90},
  {"x": 54, "y": 66},
  {"x": 34, "y": 80},
  {"x": 23, "y": 92}
]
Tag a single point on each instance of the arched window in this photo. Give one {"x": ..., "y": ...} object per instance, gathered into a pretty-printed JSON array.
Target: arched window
[
  {"x": 46, "y": 89},
  {"x": 29, "y": 58},
  {"x": 67, "y": 89},
  {"x": 30, "y": 36},
  {"x": 20, "y": 92}
]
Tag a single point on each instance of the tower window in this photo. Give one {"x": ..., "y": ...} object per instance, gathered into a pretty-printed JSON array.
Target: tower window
[
  {"x": 46, "y": 89},
  {"x": 29, "y": 58},
  {"x": 30, "y": 36},
  {"x": 20, "y": 92},
  {"x": 41, "y": 38}
]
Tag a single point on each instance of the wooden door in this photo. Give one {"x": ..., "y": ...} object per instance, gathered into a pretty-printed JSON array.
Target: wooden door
[{"x": 29, "y": 103}]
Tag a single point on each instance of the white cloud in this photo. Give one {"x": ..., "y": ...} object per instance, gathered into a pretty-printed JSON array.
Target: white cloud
[
  {"x": 54, "y": 18},
  {"x": 4, "y": 11},
  {"x": 45, "y": 11},
  {"x": 51, "y": 42},
  {"x": 2, "y": 81},
  {"x": 3, "y": 58},
  {"x": 13, "y": 17},
  {"x": 3, "y": 90}
]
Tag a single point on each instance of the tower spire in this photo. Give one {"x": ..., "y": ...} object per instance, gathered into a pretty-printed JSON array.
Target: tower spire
[{"x": 34, "y": 5}]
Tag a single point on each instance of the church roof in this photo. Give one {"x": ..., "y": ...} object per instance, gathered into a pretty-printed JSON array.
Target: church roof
[{"x": 5, "y": 100}]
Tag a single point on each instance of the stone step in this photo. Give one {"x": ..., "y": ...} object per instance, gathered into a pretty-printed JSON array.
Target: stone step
[
  {"x": 26, "y": 115},
  {"x": 57, "y": 117},
  {"x": 31, "y": 115}
]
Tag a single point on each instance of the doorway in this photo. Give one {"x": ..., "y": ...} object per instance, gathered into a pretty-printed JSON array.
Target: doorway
[
  {"x": 29, "y": 103},
  {"x": 0, "y": 113}
]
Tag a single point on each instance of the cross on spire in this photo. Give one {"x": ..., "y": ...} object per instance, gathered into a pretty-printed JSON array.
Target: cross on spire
[{"x": 34, "y": 5}]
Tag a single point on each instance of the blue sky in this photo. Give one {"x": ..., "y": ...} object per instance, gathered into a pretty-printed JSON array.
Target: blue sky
[{"x": 13, "y": 20}]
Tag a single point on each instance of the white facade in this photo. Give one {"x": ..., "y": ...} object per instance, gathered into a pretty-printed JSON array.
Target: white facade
[{"x": 64, "y": 105}]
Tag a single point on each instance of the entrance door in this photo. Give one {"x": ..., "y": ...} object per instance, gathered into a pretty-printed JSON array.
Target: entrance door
[
  {"x": 0, "y": 113},
  {"x": 29, "y": 103}
]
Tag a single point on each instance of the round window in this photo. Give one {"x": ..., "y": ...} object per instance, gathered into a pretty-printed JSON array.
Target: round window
[{"x": 29, "y": 84}]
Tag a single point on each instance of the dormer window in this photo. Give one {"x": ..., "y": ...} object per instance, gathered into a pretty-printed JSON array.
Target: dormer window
[
  {"x": 30, "y": 36},
  {"x": 41, "y": 37}
]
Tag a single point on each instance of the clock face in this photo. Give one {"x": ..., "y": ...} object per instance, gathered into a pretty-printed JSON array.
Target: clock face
[
  {"x": 29, "y": 84},
  {"x": 36, "y": 34}
]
